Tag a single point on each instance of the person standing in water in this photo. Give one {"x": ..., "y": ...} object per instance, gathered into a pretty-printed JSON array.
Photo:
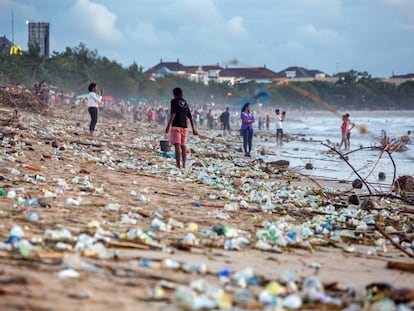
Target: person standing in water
[
  {"x": 351, "y": 125},
  {"x": 180, "y": 112},
  {"x": 94, "y": 100},
  {"x": 344, "y": 132}
]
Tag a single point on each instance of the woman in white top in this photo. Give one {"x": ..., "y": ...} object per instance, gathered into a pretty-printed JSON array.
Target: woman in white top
[{"x": 93, "y": 104}]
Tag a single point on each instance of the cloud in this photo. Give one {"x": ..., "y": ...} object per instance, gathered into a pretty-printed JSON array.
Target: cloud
[
  {"x": 200, "y": 11},
  {"x": 322, "y": 38},
  {"x": 94, "y": 21},
  {"x": 395, "y": 3},
  {"x": 356, "y": 34}
]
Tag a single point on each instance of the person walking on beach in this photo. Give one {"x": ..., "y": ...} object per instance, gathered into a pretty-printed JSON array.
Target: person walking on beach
[
  {"x": 94, "y": 100},
  {"x": 279, "y": 126},
  {"x": 225, "y": 121},
  {"x": 246, "y": 129},
  {"x": 344, "y": 132},
  {"x": 351, "y": 125},
  {"x": 267, "y": 121},
  {"x": 210, "y": 119},
  {"x": 180, "y": 112}
]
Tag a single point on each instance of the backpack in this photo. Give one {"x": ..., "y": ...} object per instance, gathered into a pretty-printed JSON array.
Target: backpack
[{"x": 223, "y": 117}]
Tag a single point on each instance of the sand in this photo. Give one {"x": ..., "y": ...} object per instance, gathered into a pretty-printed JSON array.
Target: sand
[{"x": 126, "y": 175}]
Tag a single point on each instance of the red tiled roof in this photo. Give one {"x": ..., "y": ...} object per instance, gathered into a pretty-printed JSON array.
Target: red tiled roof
[{"x": 253, "y": 73}]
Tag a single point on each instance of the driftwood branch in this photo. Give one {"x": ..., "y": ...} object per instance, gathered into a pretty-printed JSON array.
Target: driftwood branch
[
  {"x": 398, "y": 246},
  {"x": 350, "y": 165}
]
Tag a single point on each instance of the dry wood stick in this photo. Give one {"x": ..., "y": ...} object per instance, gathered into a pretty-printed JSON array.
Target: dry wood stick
[{"x": 392, "y": 241}]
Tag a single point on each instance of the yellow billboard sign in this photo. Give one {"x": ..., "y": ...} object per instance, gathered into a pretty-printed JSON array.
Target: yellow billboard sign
[{"x": 16, "y": 50}]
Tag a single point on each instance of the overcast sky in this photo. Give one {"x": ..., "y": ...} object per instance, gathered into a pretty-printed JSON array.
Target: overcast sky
[{"x": 376, "y": 36}]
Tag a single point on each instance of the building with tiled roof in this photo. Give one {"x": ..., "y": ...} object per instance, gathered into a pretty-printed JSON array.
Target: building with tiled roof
[
  {"x": 295, "y": 72},
  {"x": 165, "y": 68},
  {"x": 244, "y": 75},
  {"x": 204, "y": 73},
  {"x": 232, "y": 75}
]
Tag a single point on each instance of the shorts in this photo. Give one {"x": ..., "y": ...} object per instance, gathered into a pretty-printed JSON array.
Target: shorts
[
  {"x": 348, "y": 135},
  {"x": 279, "y": 133},
  {"x": 178, "y": 135}
]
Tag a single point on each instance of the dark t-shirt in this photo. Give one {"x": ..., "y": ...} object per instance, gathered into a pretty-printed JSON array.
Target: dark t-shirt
[{"x": 180, "y": 107}]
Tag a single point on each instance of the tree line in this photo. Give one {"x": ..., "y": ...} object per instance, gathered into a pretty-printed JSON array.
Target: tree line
[{"x": 72, "y": 70}]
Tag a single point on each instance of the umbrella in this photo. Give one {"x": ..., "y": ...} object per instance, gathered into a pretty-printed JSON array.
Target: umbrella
[
  {"x": 132, "y": 99},
  {"x": 108, "y": 98},
  {"x": 82, "y": 96}
]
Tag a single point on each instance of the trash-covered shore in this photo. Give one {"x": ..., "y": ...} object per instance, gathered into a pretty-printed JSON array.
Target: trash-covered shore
[{"x": 109, "y": 222}]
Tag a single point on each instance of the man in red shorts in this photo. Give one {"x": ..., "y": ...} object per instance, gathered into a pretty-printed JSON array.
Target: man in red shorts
[{"x": 178, "y": 123}]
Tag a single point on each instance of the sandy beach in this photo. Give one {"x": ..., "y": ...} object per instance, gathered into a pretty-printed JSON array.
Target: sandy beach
[{"x": 122, "y": 228}]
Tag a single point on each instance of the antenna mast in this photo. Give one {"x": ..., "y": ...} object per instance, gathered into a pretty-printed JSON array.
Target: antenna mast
[{"x": 12, "y": 16}]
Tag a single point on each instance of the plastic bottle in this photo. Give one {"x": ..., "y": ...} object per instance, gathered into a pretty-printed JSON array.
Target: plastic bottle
[
  {"x": 292, "y": 301},
  {"x": 230, "y": 232},
  {"x": 184, "y": 297},
  {"x": 15, "y": 235},
  {"x": 194, "y": 268},
  {"x": 224, "y": 272},
  {"x": 170, "y": 264},
  {"x": 39, "y": 177},
  {"x": 157, "y": 224},
  {"x": 32, "y": 202},
  {"x": 15, "y": 172}
]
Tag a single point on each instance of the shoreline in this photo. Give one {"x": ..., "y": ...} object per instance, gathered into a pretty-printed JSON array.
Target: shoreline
[{"x": 116, "y": 184}]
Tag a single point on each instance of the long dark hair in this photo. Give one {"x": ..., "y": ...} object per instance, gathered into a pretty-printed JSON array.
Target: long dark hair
[
  {"x": 91, "y": 86},
  {"x": 245, "y": 107}
]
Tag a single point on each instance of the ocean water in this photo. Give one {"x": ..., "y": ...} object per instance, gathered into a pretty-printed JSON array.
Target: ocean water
[{"x": 324, "y": 127}]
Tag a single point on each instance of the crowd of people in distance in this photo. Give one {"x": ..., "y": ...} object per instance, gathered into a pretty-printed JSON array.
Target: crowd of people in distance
[{"x": 242, "y": 123}]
